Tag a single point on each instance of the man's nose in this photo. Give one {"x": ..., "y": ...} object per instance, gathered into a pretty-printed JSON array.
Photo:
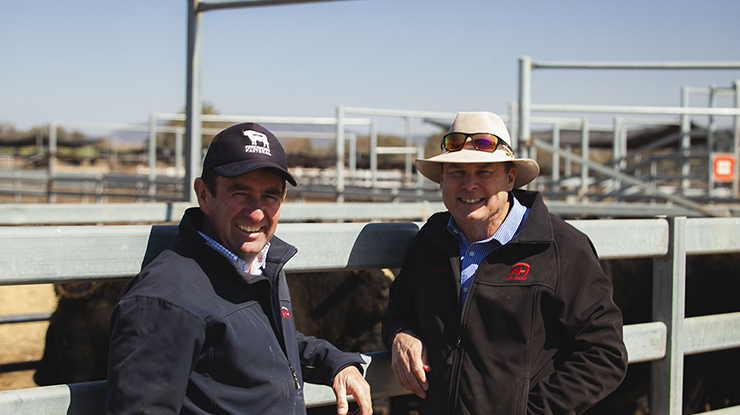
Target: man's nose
[
  {"x": 469, "y": 181},
  {"x": 254, "y": 210}
]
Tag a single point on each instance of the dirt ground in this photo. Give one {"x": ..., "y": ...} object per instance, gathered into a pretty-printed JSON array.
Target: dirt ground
[{"x": 23, "y": 341}]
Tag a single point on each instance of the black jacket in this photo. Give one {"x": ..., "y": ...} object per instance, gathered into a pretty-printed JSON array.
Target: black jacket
[
  {"x": 191, "y": 334},
  {"x": 538, "y": 333}
]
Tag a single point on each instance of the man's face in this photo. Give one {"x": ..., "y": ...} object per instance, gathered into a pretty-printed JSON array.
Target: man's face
[
  {"x": 243, "y": 214},
  {"x": 477, "y": 196}
]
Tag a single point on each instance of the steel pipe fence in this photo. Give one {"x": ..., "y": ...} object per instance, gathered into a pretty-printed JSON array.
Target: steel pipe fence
[
  {"x": 71, "y": 253},
  {"x": 171, "y": 212},
  {"x": 154, "y": 185},
  {"x": 526, "y": 107},
  {"x": 410, "y": 149},
  {"x": 191, "y": 171}
]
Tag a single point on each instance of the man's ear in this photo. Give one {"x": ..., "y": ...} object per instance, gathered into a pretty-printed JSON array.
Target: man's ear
[
  {"x": 511, "y": 178},
  {"x": 202, "y": 192}
]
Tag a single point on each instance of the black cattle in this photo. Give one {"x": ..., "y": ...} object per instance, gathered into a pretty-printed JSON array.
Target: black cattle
[
  {"x": 346, "y": 308},
  {"x": 76, "y": 347},
  {"x": 342, "y": 307}
]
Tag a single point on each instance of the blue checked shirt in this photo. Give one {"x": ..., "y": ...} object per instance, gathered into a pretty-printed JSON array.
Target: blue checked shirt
[
  {"x": 471, "y": 255},
  {"x": 257, "y": 265}
]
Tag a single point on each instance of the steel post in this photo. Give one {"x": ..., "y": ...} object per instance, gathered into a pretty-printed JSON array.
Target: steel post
[
  {"x": 374, "y": 153},
  {"x": 352, "y": 154},
  {"x": 669, "y": 293},
  {"x": 532, "y": 150},
  {"x": 178, "y": 150},
  {"x": 52, "y": 163},
  {"x": 514, "y": 125},
  {"x": 340, "y": 153},
  {"x": 712, "y": 129},
  {"x": 736, "y": 144},
  {"x": 685, "y": 139},
  {"x": 193, "y": 105},
  {"x": 584, "y": 155},
  {"x": 409, "y": 143},
  {"x": 419, "y": 176},
  {"x": 555, "y": 157},
  {"x": 152, "y": 150},
  {"x": 617, "y": 153},
  {"x": 525, "y": 103}
]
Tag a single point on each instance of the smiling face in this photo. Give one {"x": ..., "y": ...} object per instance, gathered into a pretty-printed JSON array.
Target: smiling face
[
  {"x": 242, "y": 214},
  {"x": 477, "y": 196}
]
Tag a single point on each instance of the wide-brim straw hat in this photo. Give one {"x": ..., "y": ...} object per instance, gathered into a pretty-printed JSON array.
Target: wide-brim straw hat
[{"x": 480, "y": 122}]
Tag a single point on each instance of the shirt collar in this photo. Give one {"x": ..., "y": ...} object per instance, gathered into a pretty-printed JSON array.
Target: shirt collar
[
  {"x": 257, "y": 265},
  {"x": 504, "y": 233}
]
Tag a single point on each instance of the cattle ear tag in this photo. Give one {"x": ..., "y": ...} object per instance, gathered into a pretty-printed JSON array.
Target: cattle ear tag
[{"x": 519, "y": 271}]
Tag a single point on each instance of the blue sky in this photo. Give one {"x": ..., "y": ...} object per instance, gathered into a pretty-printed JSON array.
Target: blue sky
[{"x": 119, "y": 61}]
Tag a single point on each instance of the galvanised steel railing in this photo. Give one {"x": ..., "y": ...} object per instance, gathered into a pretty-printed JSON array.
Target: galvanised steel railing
[{"x": 83, "y": 253}]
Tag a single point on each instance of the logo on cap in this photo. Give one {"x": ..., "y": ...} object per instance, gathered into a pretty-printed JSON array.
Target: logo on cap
[{"x": 257, "y": 143}]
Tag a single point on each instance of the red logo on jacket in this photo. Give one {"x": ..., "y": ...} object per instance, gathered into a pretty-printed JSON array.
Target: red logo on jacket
[
  {"x": 286, "y": 312},
  {"x": 519, "y": 271}
]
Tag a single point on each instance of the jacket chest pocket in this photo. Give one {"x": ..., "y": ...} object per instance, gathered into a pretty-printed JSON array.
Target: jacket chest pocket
[
  {"x": 503, "y": 315},
  {"x": 248, "y": 339}
]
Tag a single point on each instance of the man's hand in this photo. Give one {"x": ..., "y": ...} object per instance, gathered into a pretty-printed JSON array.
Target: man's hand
[
  {"x": 410, "y": 364},
  {"x": 350, "y": 381}
]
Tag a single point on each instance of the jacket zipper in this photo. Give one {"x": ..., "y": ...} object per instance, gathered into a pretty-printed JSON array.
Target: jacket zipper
[
  {"x": 454, "y": 362},
  {"x": 280, "y": 332},
  {"x": 295, "y": 375},
  {"x": 455, "y": 358}
]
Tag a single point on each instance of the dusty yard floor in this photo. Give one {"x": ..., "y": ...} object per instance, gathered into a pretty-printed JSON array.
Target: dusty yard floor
[{"x": 23, "y": 341}]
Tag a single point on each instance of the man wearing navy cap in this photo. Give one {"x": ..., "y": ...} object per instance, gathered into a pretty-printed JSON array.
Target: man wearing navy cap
[{"x": 207, "y": 327}]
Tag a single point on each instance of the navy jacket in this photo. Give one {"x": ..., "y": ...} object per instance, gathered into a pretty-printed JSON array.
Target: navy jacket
[
  {"x": 538, "y": 333},
  {"x": 192, "y": 334}
]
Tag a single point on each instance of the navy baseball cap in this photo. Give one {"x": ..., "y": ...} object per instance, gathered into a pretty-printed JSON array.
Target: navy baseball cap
[{"x": 245, "y": 147}]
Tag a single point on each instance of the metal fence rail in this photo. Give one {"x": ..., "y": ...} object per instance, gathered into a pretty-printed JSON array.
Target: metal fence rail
[
  {"x": 69, "y": 253},
  {"x": 148, "y": 213}
]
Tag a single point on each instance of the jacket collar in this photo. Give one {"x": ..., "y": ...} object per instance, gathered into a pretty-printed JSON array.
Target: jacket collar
[
  {"x": 189, "y": 239},
  {"x": 537, "y": 227}
]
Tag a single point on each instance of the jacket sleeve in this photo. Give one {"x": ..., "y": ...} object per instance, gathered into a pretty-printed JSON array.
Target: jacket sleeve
[
  {"x": 321, "y": 361},
  {"x": 154, "y": 347},
  {"x": 400, "y": 314},
  {"x": 593, "y": 361}
]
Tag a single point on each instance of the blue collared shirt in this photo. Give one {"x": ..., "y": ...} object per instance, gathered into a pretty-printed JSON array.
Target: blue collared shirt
[
  {"x": 471, "y": 255},
  {"x": 257, "y": 265}
]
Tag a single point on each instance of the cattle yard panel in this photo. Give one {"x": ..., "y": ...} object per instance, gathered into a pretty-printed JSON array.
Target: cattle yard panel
[
  {"x": 142, "y": 213},
  {"x": 71, "y": 253},
  {"x": 148, "y": 213},
  {"x": 522, "y": 133}
]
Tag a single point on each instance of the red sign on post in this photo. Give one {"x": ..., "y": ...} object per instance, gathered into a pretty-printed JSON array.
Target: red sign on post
[{"x": 724, "y": 167}]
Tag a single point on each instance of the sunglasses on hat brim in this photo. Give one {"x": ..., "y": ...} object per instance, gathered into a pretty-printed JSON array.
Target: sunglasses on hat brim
[{"x": 481, "y": 141}]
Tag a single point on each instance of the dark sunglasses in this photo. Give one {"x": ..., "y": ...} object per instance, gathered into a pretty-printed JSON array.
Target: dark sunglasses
[{"x": 481, "y": 141}]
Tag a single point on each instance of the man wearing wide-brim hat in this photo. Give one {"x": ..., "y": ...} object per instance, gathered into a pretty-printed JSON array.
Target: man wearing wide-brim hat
[{"x": 500, "y": 307}]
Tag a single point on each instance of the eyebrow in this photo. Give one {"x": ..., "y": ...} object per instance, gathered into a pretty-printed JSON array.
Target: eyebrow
[{"x": 239, "y": 186}]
